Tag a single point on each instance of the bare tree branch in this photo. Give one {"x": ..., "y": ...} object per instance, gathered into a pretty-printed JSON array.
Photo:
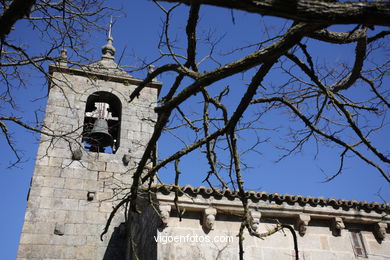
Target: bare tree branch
[{"x": 311, "y": 11}]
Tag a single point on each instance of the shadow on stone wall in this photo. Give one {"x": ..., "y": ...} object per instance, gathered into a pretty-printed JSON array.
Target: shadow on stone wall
[
  {"x": 143, "y": 232},
  {"x": 116, "y": 248}
]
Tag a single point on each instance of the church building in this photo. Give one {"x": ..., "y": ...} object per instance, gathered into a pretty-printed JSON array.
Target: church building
[{"x": 98, "y": 137}]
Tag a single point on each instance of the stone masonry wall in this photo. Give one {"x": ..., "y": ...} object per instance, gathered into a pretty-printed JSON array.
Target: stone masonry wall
[
  {"x": 318, "y": 242},
  {"x": 60, "y": 222}
]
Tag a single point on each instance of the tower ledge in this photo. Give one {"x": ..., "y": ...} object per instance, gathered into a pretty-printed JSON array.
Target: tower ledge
[{"x": 104, "y": 73}]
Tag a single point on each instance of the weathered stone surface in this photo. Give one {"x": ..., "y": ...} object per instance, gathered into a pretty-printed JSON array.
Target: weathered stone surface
[
  {"x": 318, "y": 242},
  {"x": 97, "y": 166},
  {"x": 54, "y": 182}
]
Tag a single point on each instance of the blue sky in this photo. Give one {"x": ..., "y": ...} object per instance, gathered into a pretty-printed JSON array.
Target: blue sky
[{"x": 137, "y": 34}]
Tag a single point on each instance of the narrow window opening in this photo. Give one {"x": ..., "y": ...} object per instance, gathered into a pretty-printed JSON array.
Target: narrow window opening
[
  {"x": 357, "y": 244},
  {"x": 102, "y": 120}
]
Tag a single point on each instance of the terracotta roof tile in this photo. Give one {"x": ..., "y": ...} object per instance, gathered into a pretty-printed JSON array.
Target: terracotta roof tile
[{"x": 279, "y": 198}]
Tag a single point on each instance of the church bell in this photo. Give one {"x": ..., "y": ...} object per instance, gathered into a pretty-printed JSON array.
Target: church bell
[{"x": 99, "y": 135}]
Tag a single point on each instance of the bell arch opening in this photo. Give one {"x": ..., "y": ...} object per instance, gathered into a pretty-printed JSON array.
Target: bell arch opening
[{"x": 102, "y": 121}]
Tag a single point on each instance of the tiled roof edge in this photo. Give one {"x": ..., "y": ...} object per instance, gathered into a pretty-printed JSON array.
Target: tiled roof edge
[{"x": 276, "y": 197}]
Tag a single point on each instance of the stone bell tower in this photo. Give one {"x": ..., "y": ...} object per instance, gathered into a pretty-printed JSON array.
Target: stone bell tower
[{"x": 82, "y": 169}]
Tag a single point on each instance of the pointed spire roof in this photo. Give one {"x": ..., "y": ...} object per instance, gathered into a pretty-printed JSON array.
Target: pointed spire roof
[{"x": 107, "y": 63}]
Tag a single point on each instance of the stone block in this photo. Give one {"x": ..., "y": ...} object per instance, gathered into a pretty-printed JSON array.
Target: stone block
[
  {"x": 37, "y": 181},
  {"x": 37, "y": 239},
  {"x": 75, "y": 217},
  {"x": 56, "y": 151},
  {"x": 95, "y": 217},
  {"x": 61, "y": 193},
  {"x": 89, "y": 175},
  {"x": 74, "y": 113},
  {"x": 53, "y": 182},
  {"x": 132, "y": 126},
  {"x": 324, "y": 243},
  {"x": 60, "y": 251},
  {"x": 42, "y": 161},
  {"x": 56, "y": 110},
  {"x": 105, "y": 196},
  {"x": 95, "y": 241},
  {"x": 277, "y": 254},
  {"x": 341, "y": 243},
  {"x": 116, "y": 168},
  {"x": 97, "y": 166},
  {"x": 68, "y": 204},
  {"x": 77, "y": 194},
  {"x": 376, "y": 248},
  {"x": 89, "y": 229},
  {"x": 368, "y": 235},
  {"x": 69, "y": 240},
  {"x": 33, "y": 201},
  {"x": 56, "y": 103},
  {"x": 64, "y": 120},
  {"x": 105, "y": 175},
  {"x": 59, "y": 204},
  {"x": 82, "y": 174},
  {"x": 48, "y": 171},
  {"x": 49, "y": 119},
  {"x": 69, "y": 163},
  {"x": 92, "y": 185},
  {"x": 310, "y": 242},
  {"x": 38, "y": 227},
  {"x": 105, "y": 207},
  {"x": 123, "y": 179},
  {"x": 45, "y": 252},
  {"x": 47, "y": 192},
  {"x": 59, "y": 215},
  {"x": 331, "y": 255},
  {"x": 69, "y": 229},
  {"x": 56, "y": 161},
  {"x": 91, "y": 206},
  {"x": 74, "y": 184},
  {"x": 86, "y": 252},
  {"x": 45, "y": 203},
  {"x": 35, "y": 191},
  {"x": 68, "y": 173}
]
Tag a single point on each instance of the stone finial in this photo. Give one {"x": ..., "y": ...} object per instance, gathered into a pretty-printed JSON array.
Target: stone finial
[
  {"x": 150, "y": 70},
  {"x": 63, "y": 58},
  {"x": 209, "y": 218},
  {"x": 255, "y": 219},
  {"x": 165, "y": 211},
  {"x": 301, "y": 223},
  {"x": 337, "y": 225},
  {"x": 108, "y": 50},
  {"x": 380, "y": 230}
]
